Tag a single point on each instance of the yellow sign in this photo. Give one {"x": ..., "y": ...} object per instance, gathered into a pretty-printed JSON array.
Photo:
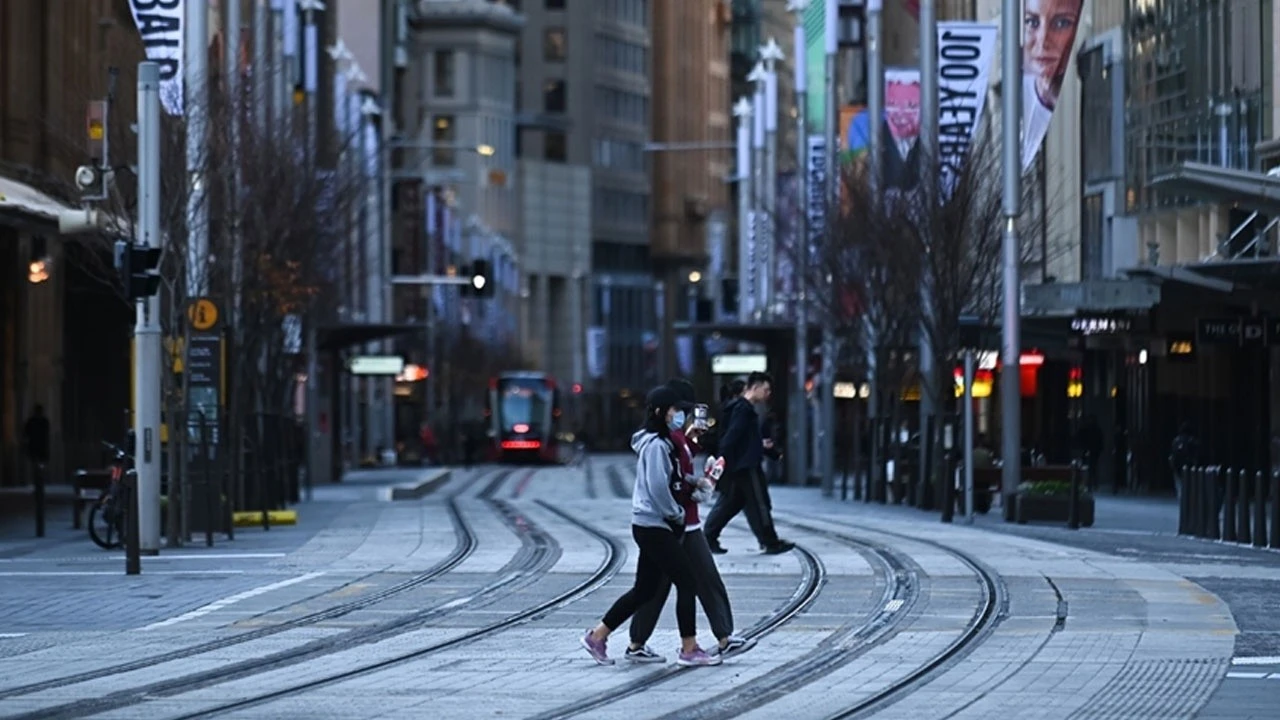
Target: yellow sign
[{"x": 203, "y": 314}]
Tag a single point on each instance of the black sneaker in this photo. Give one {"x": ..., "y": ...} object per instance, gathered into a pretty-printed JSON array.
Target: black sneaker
[
  {"x": 644, "y": 655},
  {"x": 736, "y": 645},
  {"x": 717, "y": 548},
  {"x": 780, "y": 547}
]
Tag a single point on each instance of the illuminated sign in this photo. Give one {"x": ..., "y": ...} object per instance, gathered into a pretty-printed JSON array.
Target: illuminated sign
[
  {"x": 391, "y": 365},
  {"x": 738, "y": 364},
  {"x": 1100, "y": 325},
  {"x": 1181, "y": 347}
]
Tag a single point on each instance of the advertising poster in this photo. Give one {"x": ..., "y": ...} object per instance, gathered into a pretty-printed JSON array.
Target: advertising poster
[{"x": 1048, "y": 41}]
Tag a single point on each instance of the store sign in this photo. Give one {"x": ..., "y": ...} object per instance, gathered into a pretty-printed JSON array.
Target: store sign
[{"x": 1100, "y": 325}]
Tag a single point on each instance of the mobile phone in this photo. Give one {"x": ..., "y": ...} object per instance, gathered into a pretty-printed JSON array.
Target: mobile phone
[{"x": 700, "y": 416}]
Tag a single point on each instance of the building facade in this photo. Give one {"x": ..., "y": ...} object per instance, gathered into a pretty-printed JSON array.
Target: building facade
[
  {"x": 64, "y": 331},
  {"x": 584, "y": 100}
]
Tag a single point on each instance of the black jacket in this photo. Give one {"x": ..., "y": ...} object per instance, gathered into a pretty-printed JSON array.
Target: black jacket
[{"x": 741, "y": 443}]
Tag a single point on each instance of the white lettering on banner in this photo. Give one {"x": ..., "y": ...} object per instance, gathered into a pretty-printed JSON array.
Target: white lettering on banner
[
  {"x": 965, "y": 53},
  {"x": 160, "y": 25},
  {"x": 816, "y": 202},
  {"x": 747, "y": 288}
]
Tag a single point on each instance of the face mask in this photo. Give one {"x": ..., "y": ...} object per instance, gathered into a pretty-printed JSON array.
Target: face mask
[{"x": 677, "y": 421}]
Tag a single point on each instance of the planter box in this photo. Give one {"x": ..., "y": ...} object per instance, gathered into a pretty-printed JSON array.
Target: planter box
[{"x": 1052, "y": 508}]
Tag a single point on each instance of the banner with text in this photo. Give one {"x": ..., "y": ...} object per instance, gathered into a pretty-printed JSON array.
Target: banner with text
[
  {"x": 160, "y": 23},
  {"x": 965, "y": 53}
]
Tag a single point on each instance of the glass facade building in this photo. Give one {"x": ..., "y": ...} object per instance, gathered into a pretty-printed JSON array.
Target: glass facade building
[{"x": 1198, "y": 72}]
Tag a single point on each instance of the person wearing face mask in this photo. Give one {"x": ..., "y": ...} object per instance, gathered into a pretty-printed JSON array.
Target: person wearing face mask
[
  {"x": 657, "y": 526},
  {"x": 1048, "y": 36},
  {"x": 712, "y": 593}
]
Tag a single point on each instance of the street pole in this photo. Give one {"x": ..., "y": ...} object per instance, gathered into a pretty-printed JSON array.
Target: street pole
[
  {"x": 875, "y": 109},
  {"x": 742, "y": 110},
  {"x": 1010, "y": 377},
  {"x": 928, "y": 177},
  {"x": 380, "y": 405},
  {"x": 232, "y": 63},
  {"x": 146, "y": 333},
  {"x": 197, "y": 108},
  {"x": 369, "y": 147},
  {"x": 968, "y": 435},
  {"x": 826, "y": 432},
  {"x": 278, "y": 87},
  {"x": 759, "y": 221},
  {"x": 770, "y": 54},
  {"x": 261, "y": 64},
  {"x": 311, "y": 70},
  {"x": 796, "y": 449}
]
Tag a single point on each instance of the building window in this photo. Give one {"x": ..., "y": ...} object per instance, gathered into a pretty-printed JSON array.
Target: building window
[
  {"x": 444, "y": 137},
  {"x": 554, "y": 44},
  {"x": 555, "y": 97},
  {"x": 444, "y": 74},
  {"x": 555, "y": 4},
  {"x": 619, "y": 155},
  {"x": 555, "y": 147}
]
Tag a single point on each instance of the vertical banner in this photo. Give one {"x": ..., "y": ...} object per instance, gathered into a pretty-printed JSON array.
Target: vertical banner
[
  {"x": 788, "y": 244},
  {"x": 815, "y": 204},
  {"x": 965, "y": 53},
  {"x": 161, "y": 26},
  {"x": 1048, "y": 40},
  {"x": 815, "y": 23},
  {"x": 596, "y": 352},
  {"x": 749, "y": 283}
]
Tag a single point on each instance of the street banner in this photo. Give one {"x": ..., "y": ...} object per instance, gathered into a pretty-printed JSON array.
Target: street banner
[
  {"x": 597, "y": 351},
  {"x": 1048, "y": 43},
  {"x": 815, "y": 189},
  {"x": 965, "y": 53},
  {"x": 160, "y": 23}
]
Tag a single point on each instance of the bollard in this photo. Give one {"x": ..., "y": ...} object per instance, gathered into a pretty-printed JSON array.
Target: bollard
[
  {"x": 1073, "y": 502},
  {"x": 1229, "y": 500},
  {"x": 1275, "y": 510},
  {"x": 38, "y": 471},
  {"x": 1212, "y": 520},
  {"x": 132, "y": 551},
  {"x": 1242, "y": 510},
  {"x": 1195, "y": 518},
  {"x": 950, "y": 476},
  {"x": 1184, "y": 502},
  {"x": 1260, "y": 510}
]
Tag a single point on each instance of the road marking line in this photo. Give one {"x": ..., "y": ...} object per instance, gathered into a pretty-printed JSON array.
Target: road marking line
[
  {"x": 12, "y": 635},
  {"x": 1248, "y": 675},
  {"x": 150, "y": 558},
  {"x": 1263, "y": 660},
  {"x": 894, "y": 605},
  {"x": 218, "y": 605},
  {"x": 85, "y": 573},
  {"x": 456, "y": 603}
]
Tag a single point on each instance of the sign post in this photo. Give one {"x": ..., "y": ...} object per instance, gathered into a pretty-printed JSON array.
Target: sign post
[{"x": 204, "y": 369}]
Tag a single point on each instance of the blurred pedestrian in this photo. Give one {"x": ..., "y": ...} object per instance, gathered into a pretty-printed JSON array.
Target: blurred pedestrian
[{"x": 35, "y": 439}]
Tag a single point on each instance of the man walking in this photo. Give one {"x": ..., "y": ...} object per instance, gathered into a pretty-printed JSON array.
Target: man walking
[{"x": 742, "y": 487}]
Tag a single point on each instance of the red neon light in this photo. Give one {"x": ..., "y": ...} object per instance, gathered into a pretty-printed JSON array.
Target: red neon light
[
  {"x": 1031, "y": 358},
  {"x": 521, "y": 444},
  {"x": 520, "y": 428}
]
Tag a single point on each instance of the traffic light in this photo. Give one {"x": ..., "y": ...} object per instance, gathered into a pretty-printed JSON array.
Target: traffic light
[
  {"x": 138, "y": 266},
  {"x": 481, "y": 279}
]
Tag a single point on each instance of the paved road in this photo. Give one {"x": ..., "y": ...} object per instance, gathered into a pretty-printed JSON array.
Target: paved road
[{"x": 469, "y": 603}]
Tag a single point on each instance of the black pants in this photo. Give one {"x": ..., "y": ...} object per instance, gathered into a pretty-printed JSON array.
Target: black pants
[
  {"x": 711, "y": 593},
  {"x": 661, "y": 557},
  {"x": 744, "y": 492}
]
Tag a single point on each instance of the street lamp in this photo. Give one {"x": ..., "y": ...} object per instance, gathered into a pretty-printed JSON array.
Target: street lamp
[
  {"x": 742, "y": 110},
  {"x": 797, "y": 468}
]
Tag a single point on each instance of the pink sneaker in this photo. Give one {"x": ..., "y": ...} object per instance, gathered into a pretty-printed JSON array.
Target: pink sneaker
[
  {"x": 597, "y": 648},
  {"x": 696, "y": 657}
]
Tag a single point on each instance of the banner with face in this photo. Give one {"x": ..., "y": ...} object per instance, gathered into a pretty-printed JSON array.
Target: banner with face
[{"x": 1048, "y": 40}]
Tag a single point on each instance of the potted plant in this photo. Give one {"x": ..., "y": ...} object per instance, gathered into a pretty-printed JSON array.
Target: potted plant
[{"x": 1050, "y": 501}]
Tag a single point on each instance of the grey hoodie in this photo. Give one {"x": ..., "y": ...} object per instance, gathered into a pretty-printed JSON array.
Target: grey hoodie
[{"x": 652, "y": 504}]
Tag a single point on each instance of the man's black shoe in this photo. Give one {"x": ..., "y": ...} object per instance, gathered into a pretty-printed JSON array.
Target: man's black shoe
[
  {"x": 780, "y": 547},
  {"x": 717, "y": 548}
]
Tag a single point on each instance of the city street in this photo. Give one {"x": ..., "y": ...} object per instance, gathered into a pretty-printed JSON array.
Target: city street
[{"x": 469, "y": 603}]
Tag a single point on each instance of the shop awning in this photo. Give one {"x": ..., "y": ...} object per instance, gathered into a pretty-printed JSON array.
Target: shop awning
[
  {"x": 1255, "y": 190},
  {"x": 19, "y": 201}
]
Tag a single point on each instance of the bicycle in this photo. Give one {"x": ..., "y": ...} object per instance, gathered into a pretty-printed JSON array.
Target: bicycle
[{"x": 108, "y": 516}]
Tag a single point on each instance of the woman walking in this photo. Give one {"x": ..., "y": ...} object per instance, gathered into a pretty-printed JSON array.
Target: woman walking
[
  {"x": 711, "y": 590},
  {"x": 657, "y": 525}
]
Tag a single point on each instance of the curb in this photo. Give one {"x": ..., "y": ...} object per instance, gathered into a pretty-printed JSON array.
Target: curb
[{"x": 415, "y": 490}]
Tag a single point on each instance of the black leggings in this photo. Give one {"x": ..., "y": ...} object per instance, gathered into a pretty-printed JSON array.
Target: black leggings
[{"x": 661, "y": 556}]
